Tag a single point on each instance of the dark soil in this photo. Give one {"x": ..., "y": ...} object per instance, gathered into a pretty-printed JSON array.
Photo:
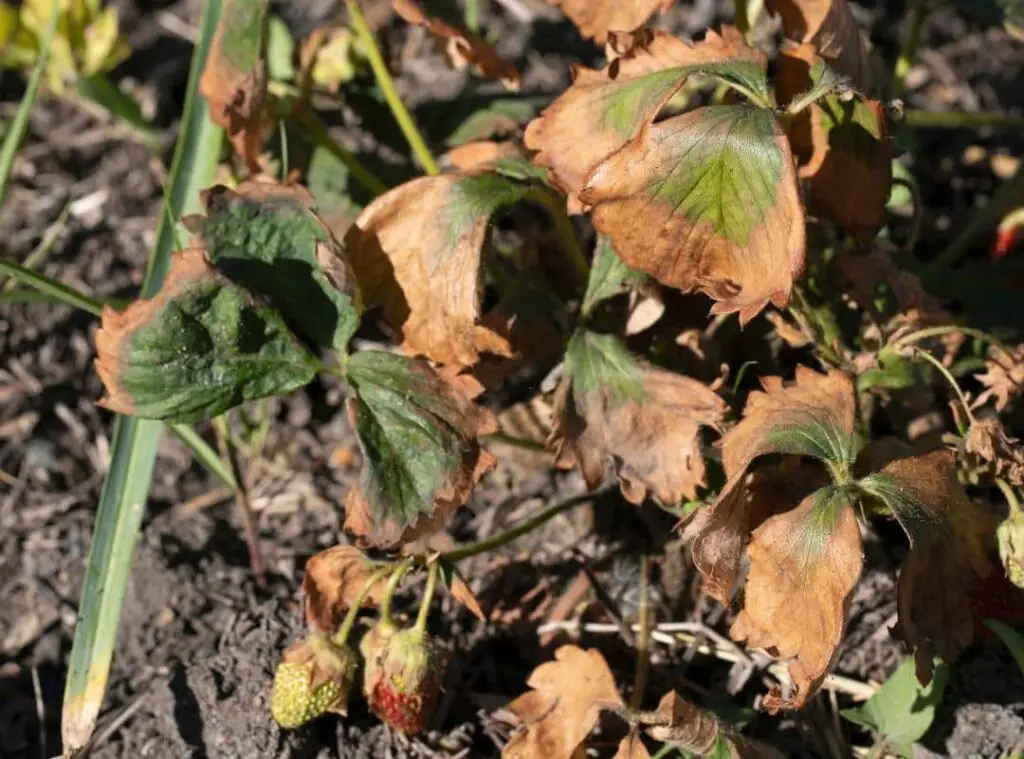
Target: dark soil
[{"x": 199, "y": 640}]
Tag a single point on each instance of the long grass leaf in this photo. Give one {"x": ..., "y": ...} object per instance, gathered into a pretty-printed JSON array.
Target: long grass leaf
[
  {"x": 19, "y": 124},
  {"x": 52, "y": 288},
  {"x": 123, "y": 498}
]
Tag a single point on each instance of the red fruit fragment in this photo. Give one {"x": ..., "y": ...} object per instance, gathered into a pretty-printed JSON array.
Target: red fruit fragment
[{"x": 402, "y": 682}]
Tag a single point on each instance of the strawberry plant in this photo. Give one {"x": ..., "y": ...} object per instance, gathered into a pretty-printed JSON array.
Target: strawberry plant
[{"x": 757, "y": 187}]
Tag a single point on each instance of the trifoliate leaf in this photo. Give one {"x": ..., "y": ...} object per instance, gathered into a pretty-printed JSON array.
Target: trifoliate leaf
[
  {"x": 643, "y": 420},
  {"x": 234, "y": 81},
  {"x": 707, "y": 200},
  {"x": 830, "y": 27},
  {"x": 200, "y": 347},
  {"x": 604, "y": 110},
  {"x": 416, "y": 251},
  {"x": 421, "y": 456},
  {"x": 950, "y": 539},
  {"x": 902, "y": 710},
  {"x": 269, "y": 238}
]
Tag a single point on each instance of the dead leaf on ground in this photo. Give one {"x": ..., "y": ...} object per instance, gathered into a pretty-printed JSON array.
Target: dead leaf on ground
[
  {"x": 1003, "y": 377},
  {"x": 603, "y": 110},
  {"x": 234, "y": 80},
  {"x": 951, "y": 539},
  {"x": 687, "y": 726},
  {"x": 595, "y": 18},
  {"x": 841, "y": 145},
  {"x": 644, "y": 420},
  {"x": 464, "y": 49},
  {"x": 333, "y": 580},
  {"x": 830, "y": 27},
  {"x": 563, "y": 706},
  {"x": 416, "y": 253},
  {"x": 814, "y": 416},
  {"x": 804, "y": 564}
]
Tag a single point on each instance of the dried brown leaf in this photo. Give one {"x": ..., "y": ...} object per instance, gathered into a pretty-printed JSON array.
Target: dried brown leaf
[
  {"x": 333, "y": 580},
  {"x": 987, "y": 442},
  {"x": 682, "y": 724},
  {"x": 464, "y": 49},
  {"x": 804, "y": 563},
  {"x": 591, "y": 119},
  {"x": 631, "y": 747},
  {"x": 830, "y": 27},
  {"x": 596, "y": 18},
  {"x": 1003, "y": 377},
  {"x": 564, "y": 705},
  {"x": 462, "y": 593}
]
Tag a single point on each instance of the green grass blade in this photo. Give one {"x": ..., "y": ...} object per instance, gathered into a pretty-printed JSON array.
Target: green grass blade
[
  {"x": 19, "y": 124},
  {"x": 122, "y": 501},
  {"x": 52, "y": 288},
  {"x": 100, "y": 90},
  {"x": 204, "y": 453}
]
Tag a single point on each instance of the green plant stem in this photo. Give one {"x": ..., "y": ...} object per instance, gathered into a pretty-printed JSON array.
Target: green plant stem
[
  {"x": 340, "y": 636},
  {"x": 1008, "y": 493},
  {"x": 397, "y": 573},
  {"x": 530, "y": 523},
  {"x": 203, "y": 453},
  {"x": 312, "y": 128},
  {"x": 19, "y": 124},
  {"x": 472, "y": 15},
  {"x": 954, "y": 120},
  {"x": 42, "y": 251},
  {"x": 66, "y": 295},
  {"x": 555, "y": 205},
  {"x": 927, "y": 332},
  {"x": 949, "y": 379},
  {"x": 428, "y": 595},
  {"x": 742, "y": 17},
  {"x": 387, "y": 87},
  {"x": 918, "y": 15},
  {"x": 230, "y": 457},
  {"x": 517, "y": 442}
]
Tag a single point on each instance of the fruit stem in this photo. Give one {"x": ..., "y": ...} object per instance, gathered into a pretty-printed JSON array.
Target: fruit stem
[
  {"x": 952, "y": 383},
  {"x": 340, "y": 636},
  {"x": 396, "y": 577},
  {"x": 387, "y": 88},
  {"x": 525, "y": 526},
  {"x": 428, "y": 595},
  {"x": 949, "y": 329},
  {"x": 1009, "y": 495},
  {"x": 564, "y": 230}
]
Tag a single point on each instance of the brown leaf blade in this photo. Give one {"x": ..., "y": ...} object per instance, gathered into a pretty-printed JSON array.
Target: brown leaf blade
[
  {"x": 563, "y": 706},
  {"x": 830, "y": 26},
  {"x": 951, "y": 539},
  {"x": 804, "y": 564},
  {"x": 595, "y": 18},
  {"x": 333, "y": 580},
  {"x": 679, "y": 723}
]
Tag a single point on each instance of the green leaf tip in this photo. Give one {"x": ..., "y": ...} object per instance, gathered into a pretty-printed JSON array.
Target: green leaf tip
[
  {"x": 200, "y": 347},
  {"x": 268, "y": 238}
]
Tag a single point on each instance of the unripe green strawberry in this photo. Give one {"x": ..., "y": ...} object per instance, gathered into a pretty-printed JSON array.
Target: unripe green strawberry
[
  {"x": 403, "y": 677},
  {"x": 313, "y": 677}
]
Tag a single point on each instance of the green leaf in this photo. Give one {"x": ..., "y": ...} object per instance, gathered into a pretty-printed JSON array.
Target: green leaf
[
  {"x": 902, "y": 710},
  {"x": 269, "y": 239},
  {"x": 607, "y": 274},
  {"x": 1013, "y": 639},
  {"x": 280, "y": 50},
  {"x": 601, "y": 363},
  {"x": 203, "y": 345},
  {"x": 502, "y": 115},
  {"x": 134, "y": 442},
  {"x": 418, "y": 436}
]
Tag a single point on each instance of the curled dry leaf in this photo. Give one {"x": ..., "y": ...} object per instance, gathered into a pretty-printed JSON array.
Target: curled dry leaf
[
  {"x": 987, "y": 446},
  {"x": 1003, "y": 377},
  {"x": 708, "y": 201},
  {"x": 830, "y": 27},
  {"x": 464, "y": 49},
  {"x": 603, "y": 110},
  {"x": 646, "y": 421},
  {"x": 416, "y": 253},
  {"x": 631, "y": 747},
  {"x": 951, "y": 542},
  {"x": 814, "y": 416},
  {"x": 234, "y": 80},
  {"x": 563, "y": 706},
  {"x": 333, "y": 580},
  {"x": 804, "y": 564},
  {"x": 201, "y": 346},
  {"x": 421, "y": 456},
  {"x": 841, "y": 146},
  {"x": 595, "y": 18},
  {"x": 686, "y": 726}
]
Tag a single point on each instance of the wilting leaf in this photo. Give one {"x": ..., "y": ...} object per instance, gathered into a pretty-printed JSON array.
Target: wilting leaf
[
  {"x": 1003, "y": 377},
  {"x": 595, "y": 18},
  {"x": 460, "y": 590},
  {"x": 563, "y": 706},
  {"x": 464, "y": 49},
  {"x": 268, "y": 238},
  {"x": 607, "y": 275},
  {"x": 841, "y": 147},
  {"x": 202, "y": 345},
  {"x": 631, "y": 747},
  {"x": 902, "y": 710},
  {"x": 707, "y": 200},
  {"x": 234, "y": 81},
  {"x": 812, "y": 417},
  {"x": 804, "y": 564},
  {"x": 830, "y": 27},
  {"x": 333, "y": 580},
  {"x": 644, "y": 420},
  {"x": 950, "y": 541},
  {"x": 421, "y": 456},
  {"x": 603, "y": 110},
  {"x": 690, "y": 728},
  {"x": 416, "y": 252}
]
